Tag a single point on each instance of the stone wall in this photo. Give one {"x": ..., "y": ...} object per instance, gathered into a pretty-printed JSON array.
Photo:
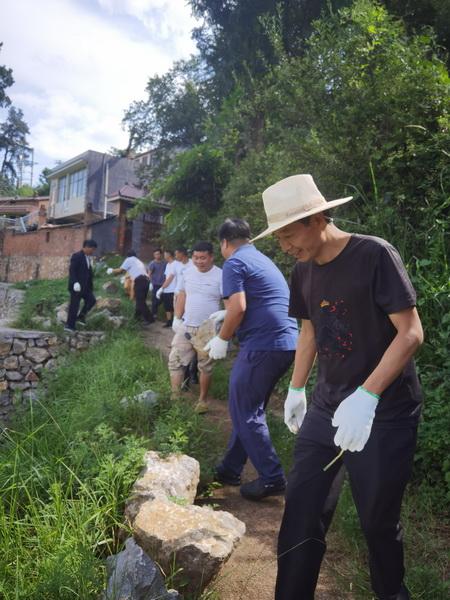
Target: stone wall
[{"x": 24, "y": 355}]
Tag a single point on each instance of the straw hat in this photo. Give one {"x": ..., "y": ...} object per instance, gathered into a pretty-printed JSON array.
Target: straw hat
[{"x": 292, "y": 199}]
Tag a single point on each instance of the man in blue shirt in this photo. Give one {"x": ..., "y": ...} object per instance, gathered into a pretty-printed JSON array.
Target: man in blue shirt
[{"x": 257, "y": 311}]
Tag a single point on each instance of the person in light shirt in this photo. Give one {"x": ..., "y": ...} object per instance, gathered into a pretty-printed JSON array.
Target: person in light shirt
[
  {"x": 138, "y": 273},
  {"x": 200, "y": 294},
  {"x": 167, "y": 290}
]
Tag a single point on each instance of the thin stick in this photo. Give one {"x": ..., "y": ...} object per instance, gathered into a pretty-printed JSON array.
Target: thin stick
[{"x": 330, "y": 464}]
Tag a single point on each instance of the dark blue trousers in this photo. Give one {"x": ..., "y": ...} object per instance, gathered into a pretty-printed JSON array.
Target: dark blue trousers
[
  {"x": 378, "y": 476},
  {"x": 252, "y": 380}
]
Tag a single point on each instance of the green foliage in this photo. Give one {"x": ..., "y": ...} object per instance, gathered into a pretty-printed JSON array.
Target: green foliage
[
  {"x": 194, "y": 189},
  {"x": 68, "y": 463}
]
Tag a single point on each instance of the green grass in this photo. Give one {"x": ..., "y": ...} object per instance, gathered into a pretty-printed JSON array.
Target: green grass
[
  {"x": 68, "y": 462},
  {"x": 43, "y": 296}
]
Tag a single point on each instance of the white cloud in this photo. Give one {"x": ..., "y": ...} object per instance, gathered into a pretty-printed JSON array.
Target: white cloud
[{"x": 76, "y": 72}]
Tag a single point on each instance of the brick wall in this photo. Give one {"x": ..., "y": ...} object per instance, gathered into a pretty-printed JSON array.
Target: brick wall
[{"x": 41, "y": 254}]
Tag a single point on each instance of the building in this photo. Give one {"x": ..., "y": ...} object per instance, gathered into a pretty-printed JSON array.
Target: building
[{"x": 85, "y": 182}]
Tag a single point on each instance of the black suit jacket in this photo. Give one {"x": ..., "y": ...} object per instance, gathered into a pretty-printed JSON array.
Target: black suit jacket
[{"x": 79, "y": 271}]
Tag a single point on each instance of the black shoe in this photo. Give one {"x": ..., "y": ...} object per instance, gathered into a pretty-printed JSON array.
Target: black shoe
[
  {"x": 257, "y": 489},
  {"x": 69, "y": 329},
  {"x": 225, "y": 477},
  {"x": 81, "y": 319},
  {"x": 168, "y": 324}
]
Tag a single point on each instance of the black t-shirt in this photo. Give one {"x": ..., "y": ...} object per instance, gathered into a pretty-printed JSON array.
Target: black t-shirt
[{"x": 348, "y": 301}]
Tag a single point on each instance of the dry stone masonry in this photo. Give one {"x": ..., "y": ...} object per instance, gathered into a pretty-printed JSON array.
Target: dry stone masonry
[{"x": 24, "y": 355}]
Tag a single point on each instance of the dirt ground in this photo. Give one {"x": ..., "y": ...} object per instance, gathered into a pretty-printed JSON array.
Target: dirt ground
[{"x": 250, "y": 572}]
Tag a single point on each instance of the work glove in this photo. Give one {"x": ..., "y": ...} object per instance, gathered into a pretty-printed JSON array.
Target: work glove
[
  {"x": 353, "y": 418},
  {"x": 109, "y": 271},
  {"x": 295, "y": 408},
  {"x": 76, "y": 287},
  {"x": 216, "y": 348},
  {"x": 177, "y": 324},
  {"x": 218, "y": 316},
  {"x": 150, "y": 287},
  {"x": 159, "y": 293}
]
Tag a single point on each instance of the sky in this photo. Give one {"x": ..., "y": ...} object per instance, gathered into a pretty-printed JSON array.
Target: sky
[{"x": 78, "y": 64}]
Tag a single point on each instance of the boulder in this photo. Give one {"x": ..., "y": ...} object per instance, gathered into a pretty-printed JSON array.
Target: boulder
[
  {"x": 174, "y": 476},
  {"x": 116, "y": 321},
  {"x": 31, "y": 376},
  {"x": 37, "y": 355},
  {"x": 147, "y": 398},
  {"x": 11, "y": 362},
  {"x": 13, "y": 376},
  {"x": 132, "y": 575},
  {"x": 61, "y": 316},
  {"x": 19, "y": 346},
  {"x": 111, "y": 287},
  {"x": 111, "y": 304},
  {"x": 196, "y": 539},
  {"x": 5, "y": 346}
]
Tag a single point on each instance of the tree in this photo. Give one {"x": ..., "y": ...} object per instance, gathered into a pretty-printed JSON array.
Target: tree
[
  {"x": 13, "y": 144},
  {"x": 6, "y": 81},
  {"x": 43, "y": 189}
]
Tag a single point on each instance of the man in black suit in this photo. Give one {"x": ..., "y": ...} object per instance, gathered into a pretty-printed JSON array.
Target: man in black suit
[{"x": 80, "y": 284}]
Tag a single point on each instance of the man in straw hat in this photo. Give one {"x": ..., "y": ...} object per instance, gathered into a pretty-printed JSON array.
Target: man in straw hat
[
  {"x": 257, "y": 310},
  {"x": 358, "y": 317}
]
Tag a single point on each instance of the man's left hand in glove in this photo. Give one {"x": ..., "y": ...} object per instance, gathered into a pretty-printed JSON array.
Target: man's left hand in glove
[{"x": 353, "y": 418}]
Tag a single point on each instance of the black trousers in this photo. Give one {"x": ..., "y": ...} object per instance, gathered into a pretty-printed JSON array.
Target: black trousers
[
  {"x": 155, "y": 301},
  {"x": 140, "y": 296},
  {"x": 74, "y": 305},
  {"x": 378, "y": 476}
]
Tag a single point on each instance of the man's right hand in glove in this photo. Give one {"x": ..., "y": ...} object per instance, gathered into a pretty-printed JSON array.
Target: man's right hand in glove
[
  {"x": 295, "y": 408},
  {"x": 109, "y": 271},
  {"x": 159, "y": 293},
  {"x": 76, "y": 287}
]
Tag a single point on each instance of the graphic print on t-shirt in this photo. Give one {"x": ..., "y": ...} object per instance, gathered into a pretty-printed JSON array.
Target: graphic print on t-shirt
[{"x": 334, "y": 338}]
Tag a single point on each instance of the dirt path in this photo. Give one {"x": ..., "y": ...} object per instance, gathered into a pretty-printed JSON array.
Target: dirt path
[{"x": 250, "y": 572}]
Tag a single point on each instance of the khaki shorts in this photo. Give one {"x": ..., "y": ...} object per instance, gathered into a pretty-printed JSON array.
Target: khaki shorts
[{"x": 183, "y": 351}]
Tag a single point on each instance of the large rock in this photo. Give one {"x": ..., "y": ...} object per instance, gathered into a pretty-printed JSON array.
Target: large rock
[
  {"x": 37, "y": 355},
  {"x": 175, "y": 476},
  {"x": 132, "y": 575},
  {"x": 5, "y": 345},
  {"x": 111, "y": 304},
  {"x": 111, "y": 287},
  {"x": 19, "y": 346},
  {"x": 196, "y": 539},
  {"x": 11, "y": 362},
  {"x": 147, "y": 398}
]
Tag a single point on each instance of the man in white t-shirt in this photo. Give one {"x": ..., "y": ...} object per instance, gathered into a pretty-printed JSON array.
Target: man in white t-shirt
[
  {"x": 138, "y": 273},
  {"x": 167, "y": 290},
  {"x": 200, "y": 294},
  {"x": 182, "y": 262}
]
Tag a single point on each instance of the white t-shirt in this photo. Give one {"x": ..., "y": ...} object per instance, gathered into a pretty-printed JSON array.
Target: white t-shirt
[
  {"x": 203, "y": 294},
  {"x": 171, "y": 269},
  {"x": 181, "y": 268},
  {"x": 134, "y": 267}
]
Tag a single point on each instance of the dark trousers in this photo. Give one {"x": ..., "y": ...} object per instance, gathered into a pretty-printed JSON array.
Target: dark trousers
[
  {"x": 155, "y": 301},
  {"x": 75, "y": 299},
  {"x": 140, "y": 297},
  {"x": 252, "y": 380},
  {"x": 378, "y": 476}
]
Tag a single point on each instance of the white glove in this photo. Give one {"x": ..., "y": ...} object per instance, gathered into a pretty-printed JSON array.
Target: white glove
[
  {"x": 353, "y": 418},
  {"x": 150, "y": 287},
  {"x": 109, "y": 271},
  {"x": 159, "y": 293},
  {"x": 295, "y": 408},
  {"x": 177, "y": 324},
  {"x": 218, "y": 316},
  {"x": 76, "y": 287},
  {"x": 216, "y": 348}
]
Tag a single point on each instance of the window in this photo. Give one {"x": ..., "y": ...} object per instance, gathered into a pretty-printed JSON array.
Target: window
[
  {"x": 77, "y": 184},
  {"x": 61, "y": 189}
]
